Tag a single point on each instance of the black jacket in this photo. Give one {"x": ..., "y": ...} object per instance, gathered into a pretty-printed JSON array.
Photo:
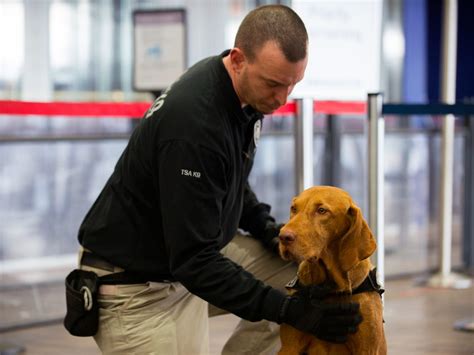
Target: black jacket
[{"x": 179, "y": 192}]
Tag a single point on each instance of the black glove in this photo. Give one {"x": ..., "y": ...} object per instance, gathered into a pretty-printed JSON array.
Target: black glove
[
  {"x": 270, "y": 236},
  {"x": 307, "y": 311}
]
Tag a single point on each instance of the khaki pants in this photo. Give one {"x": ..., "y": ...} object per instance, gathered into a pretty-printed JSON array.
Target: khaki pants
[{"x": 164, "y": 318}]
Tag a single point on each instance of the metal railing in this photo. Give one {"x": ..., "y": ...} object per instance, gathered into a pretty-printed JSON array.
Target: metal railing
[{"x": 376, "y": 111}]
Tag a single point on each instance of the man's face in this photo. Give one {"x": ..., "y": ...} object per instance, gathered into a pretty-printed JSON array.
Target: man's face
[{"x": 266, "y": 82}]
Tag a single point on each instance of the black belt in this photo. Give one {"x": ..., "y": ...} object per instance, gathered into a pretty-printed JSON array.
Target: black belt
[{"x": 123, "y": 277}]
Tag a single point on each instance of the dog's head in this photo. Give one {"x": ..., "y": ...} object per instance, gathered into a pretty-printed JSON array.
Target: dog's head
[{"x": 326, "y": 225}]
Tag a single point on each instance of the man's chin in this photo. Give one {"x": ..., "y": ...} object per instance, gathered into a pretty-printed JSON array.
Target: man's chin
[{"x": 266, "y": 110}]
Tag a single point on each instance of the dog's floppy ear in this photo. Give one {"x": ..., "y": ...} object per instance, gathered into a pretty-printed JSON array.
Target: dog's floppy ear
[{"x": 358, "y": 243}]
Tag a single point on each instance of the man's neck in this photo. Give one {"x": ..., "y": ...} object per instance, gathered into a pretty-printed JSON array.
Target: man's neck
[{"x": 228, "y": 67}]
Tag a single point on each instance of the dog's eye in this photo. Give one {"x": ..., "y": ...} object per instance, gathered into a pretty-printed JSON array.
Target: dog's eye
[
  {"x": 292, "y": 209},
  {"x": 322, "y": 210}
]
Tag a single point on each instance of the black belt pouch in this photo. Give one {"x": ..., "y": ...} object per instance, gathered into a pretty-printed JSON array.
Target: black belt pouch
[{"x": 82, "y": 316}]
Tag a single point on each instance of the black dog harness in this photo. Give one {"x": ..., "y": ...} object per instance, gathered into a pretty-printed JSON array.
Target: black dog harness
[{"x": 370, "y": 284}]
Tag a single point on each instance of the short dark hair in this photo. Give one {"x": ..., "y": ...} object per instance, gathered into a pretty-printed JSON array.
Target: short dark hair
[{"x": 273, "y": 23}]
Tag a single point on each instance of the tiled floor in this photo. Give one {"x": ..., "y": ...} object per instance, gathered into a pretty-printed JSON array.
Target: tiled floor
[{"x": 418, "y": 321}]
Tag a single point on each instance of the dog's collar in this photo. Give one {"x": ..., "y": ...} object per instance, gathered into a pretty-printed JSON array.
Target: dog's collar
[{"x": 370, "y": 284}]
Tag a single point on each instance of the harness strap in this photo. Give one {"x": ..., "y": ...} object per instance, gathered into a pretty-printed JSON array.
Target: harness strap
[{"x": 369, "y": 284}]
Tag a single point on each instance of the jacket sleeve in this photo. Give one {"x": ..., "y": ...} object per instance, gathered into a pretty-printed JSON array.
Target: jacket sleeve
[
  {"x": 192, "y": 185},
  {"x": 255, "y": 215}
]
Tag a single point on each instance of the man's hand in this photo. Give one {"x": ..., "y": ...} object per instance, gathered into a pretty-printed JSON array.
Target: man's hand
[
  {"x": 270, "y": 236},
  {"x": 307, "y": 311}
]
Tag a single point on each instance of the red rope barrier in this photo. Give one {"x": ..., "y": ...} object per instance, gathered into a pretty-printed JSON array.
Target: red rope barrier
[
  {"x": 114, "y": 109},
  {"x": 340, "y": 107},
  {"x": 137, "y": 109}
]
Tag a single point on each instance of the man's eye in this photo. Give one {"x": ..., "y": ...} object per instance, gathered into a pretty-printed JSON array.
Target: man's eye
[{"x": 322, "y": 210}]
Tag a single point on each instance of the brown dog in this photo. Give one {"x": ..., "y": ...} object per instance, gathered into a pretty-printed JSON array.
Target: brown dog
[{"x": 329, "y": 239}]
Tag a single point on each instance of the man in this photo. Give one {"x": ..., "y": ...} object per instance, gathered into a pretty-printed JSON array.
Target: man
[{"x": 169, "y": 213}]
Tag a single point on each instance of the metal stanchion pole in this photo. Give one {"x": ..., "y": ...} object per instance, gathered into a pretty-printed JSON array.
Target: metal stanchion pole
[
  {"x": 332, "y": 151},
  {"x": 445, "y": 278},
  {"x": 468, "y": 240},
  {"x": 304, "y": 144},
  {"x": 376, "y": 177}
]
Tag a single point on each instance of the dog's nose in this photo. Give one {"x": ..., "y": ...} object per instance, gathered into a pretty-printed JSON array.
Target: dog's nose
[{"x": 287, "y": 237}]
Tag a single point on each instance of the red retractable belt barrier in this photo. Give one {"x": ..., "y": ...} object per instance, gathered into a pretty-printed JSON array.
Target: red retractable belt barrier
[
  {"x": 122, "y": 109},
  {"x": 340, "y": 107},
  {"x": 137, "y": 109}
]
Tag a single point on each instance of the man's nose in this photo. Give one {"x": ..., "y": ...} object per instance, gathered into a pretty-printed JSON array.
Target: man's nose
[{"x": 282, "y": 95}]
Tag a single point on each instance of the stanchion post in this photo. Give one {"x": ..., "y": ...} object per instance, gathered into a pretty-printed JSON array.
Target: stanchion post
[
  {"x": 332, "y": 151},
  {"x": 445, "y": 278},
  {"x": 303, "y": 144},
  {"x": 468, "y": 240},
  {"x": 376, "y": 131}
]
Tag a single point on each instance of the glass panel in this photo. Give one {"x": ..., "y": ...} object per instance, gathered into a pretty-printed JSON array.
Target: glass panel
[
  {"x": 272, "y": 176},
  {"x": 45, "y": 192},
  {"x": 62, "y": 126},
  {"x": 354, "y": 168}
]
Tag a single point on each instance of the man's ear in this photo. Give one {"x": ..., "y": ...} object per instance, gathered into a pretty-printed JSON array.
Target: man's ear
[
  {"x": 358, "y": 243},
  {"x": 237, "y": 59}
]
